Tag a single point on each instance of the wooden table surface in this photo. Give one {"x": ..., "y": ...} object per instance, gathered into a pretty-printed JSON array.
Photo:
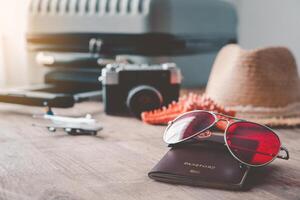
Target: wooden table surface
[{"x": 36, "y": 164}]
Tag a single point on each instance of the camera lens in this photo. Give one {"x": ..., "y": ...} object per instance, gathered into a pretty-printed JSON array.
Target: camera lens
[{"x": 143, "y": 98}]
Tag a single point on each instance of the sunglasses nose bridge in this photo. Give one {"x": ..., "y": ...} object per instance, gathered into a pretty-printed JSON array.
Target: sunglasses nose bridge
[
  {"x": 221, "y": 119},
  {"x": 221, "y": 125}
]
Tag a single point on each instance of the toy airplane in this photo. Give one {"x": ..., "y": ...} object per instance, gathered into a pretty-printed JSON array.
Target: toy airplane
[{"x": 73, "y": 126}]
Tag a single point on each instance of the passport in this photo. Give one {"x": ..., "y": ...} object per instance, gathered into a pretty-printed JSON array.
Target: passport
[{"x": 209, "y": 165}]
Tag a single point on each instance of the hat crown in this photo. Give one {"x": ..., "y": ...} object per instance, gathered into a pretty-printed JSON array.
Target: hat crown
[{"x": 265, "y": 77}]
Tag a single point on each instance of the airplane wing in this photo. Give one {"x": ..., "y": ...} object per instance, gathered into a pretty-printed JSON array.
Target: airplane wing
[
  {"x": 62, "y": 120},
  {"x": 73, "y": 129}
]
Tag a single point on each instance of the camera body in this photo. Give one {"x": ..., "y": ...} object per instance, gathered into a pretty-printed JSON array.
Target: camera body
[{"x": 133, "y": 88}]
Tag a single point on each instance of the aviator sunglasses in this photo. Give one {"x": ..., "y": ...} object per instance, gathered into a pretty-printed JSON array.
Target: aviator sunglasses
[{"x": 250, "y": 143}]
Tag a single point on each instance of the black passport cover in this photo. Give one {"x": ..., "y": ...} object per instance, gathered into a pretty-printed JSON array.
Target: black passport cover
[{"x": 206, "y": 165}]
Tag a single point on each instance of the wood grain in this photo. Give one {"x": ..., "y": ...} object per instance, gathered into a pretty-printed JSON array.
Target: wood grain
[{"x": 36, "y": 164}]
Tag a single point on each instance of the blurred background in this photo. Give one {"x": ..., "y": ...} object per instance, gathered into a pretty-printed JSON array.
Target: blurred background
[{"x": 261, "y": 23}]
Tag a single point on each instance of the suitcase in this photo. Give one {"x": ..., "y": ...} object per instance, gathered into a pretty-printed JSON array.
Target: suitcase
[{"x": 69, "y": 41}]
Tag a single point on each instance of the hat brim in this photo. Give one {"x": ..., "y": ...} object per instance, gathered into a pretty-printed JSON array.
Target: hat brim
[{"x": 287, "y": 116}]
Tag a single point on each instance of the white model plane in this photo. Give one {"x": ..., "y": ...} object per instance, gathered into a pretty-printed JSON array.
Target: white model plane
[{"x": 73, "y": 126}]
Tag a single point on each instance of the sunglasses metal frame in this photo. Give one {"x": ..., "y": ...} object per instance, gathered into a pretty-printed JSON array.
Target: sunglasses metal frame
[{"x": 226, "y": 118}]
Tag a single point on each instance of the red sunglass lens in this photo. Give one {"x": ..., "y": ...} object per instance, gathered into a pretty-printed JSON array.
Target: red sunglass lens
[
  {"x": 252, "y": 143},
  {"x": 188, "y": 125}
]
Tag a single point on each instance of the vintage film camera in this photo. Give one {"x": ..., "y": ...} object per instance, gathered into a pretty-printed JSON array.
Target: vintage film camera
[{"x": 132, "y": 88}]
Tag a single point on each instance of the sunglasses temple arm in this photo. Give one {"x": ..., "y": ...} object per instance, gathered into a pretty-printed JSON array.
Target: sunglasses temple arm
[
  {"x": 190, "y": 141},
  {"x": 287, "y": 154},
  {"x": 195, "y": 141}
]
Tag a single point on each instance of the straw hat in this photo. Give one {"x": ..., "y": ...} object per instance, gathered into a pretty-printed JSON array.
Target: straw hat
[{"x": 261, "y": 85}]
